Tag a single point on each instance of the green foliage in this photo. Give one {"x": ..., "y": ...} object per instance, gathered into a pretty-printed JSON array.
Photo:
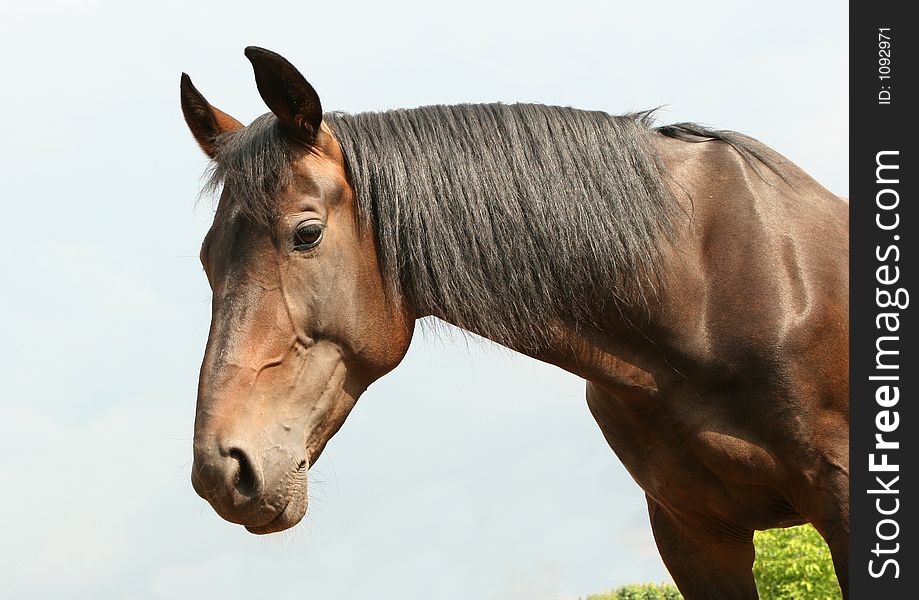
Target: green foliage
[
  {"x": 794, "y": 563},
  {"x": 641, "y": 591}
]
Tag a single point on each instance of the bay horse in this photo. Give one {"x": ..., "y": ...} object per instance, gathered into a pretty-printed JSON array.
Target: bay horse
[{"x": 696, "y": 279}]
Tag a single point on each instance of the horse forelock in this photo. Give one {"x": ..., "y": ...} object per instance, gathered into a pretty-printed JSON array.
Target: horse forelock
[{"x": 255, "y": 163}]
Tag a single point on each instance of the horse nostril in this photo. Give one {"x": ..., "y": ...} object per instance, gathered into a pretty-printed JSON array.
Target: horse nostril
[{"x": 246, "y": 481}]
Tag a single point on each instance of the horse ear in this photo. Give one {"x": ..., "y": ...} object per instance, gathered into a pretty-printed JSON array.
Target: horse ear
[
  {"x": 287, "y": 93},
  {"x": 205, "y": 121}
]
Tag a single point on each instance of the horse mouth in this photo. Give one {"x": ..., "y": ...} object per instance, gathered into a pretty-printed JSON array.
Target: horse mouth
[{"x": 292, "y": 513}]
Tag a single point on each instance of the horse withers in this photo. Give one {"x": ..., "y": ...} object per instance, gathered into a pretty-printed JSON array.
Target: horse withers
[{"x": 696, "y": 280}]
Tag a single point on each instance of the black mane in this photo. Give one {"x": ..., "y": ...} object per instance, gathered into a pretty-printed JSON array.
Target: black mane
[{"x": 507, "y": 220}]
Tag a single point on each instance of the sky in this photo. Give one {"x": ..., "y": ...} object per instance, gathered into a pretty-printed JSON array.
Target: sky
[{"x": 469, "y": 472}]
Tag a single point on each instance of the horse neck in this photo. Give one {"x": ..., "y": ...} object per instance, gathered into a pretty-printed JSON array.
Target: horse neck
[
  {"x": 623, "y": 354},
  {"x": 620, "y": 350}
]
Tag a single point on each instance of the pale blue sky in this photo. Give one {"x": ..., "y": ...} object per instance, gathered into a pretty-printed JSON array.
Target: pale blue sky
[{"x": 469, "y": 472}]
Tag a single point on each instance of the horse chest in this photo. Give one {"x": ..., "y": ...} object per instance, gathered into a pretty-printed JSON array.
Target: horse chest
[{"x": 697, "y": 461}]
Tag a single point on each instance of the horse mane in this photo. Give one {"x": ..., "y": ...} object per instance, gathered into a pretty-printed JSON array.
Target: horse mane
[{"x": 504, "y": 219}]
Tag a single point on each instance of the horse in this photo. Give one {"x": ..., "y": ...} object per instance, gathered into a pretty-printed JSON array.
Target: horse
[{"x": 696, "y": 279}]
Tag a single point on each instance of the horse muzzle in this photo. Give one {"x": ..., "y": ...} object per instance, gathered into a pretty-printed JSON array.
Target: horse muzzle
[{"x": 260, "y": 486}]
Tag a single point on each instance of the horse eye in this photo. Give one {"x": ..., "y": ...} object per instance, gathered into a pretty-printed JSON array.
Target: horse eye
[{"x": 308, "y": 236}]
